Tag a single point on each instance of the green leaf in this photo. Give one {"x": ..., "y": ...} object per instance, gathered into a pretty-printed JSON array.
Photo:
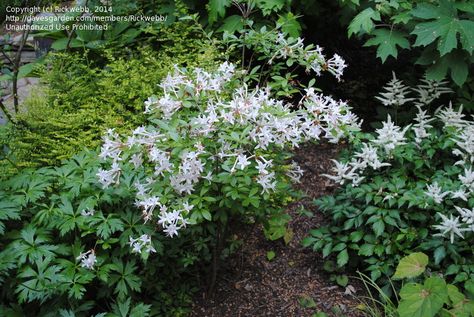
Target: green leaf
[
  {"x": 206, "y": 214},
  {"x": 231, "y": 24},
  {"x": 445, "y": 25},
  {"x": 363, "y": 22},
  {"x": 423, "y": 300},
  {"x": 269, "y": 6},
  {"x": 466, "y": 32},
  {"x": 439, "y": 254},
  {"x": 427, "y": 32},
  {"x": 366, "y": 249},
  {"x": 270, "y": 255},
  {"x": 411, "y": 266},
  {"x": 290, "y": 25},
  {"x": 459, "y": 70},
  {"x": 378, "y": 227},
  {"x": 61, "y": 44},
  {"x": 342, "y": 280},
  {"x": 342, "y": 258},
  {"x": 26, "y": 70},
  {"x": 217, "y": 9},
  {"x": 108, "y": 226},
  {"x": 307, "y": 302},
  {"x": 387, "y": 42}
]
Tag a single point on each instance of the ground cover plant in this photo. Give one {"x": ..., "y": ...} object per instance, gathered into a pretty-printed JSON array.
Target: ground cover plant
[{"x": 404, "y": 190}]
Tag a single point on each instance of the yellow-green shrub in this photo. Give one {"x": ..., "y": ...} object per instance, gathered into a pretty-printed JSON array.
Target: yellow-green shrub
[{"x": 81, "y": 98}]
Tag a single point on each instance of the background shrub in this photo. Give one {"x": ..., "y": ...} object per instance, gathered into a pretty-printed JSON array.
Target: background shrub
[{"x": 83, "y": 97}]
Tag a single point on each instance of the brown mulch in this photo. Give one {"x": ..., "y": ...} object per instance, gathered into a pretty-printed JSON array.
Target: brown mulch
[{"x": 251, "y": 285}]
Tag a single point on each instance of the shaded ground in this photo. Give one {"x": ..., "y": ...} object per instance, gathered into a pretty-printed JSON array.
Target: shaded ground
[{"x": 250, "y": 285}]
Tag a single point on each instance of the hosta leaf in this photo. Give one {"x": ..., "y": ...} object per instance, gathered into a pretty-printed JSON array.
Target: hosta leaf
[
  {"x": 363, "y": 22},
  {"x": 387, "y": 42},
  {"x": 411, "y": 266},
  {"x": 423, "y": 300}
]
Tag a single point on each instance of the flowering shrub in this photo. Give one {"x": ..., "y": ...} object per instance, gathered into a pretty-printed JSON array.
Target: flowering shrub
[
  {"x": 275, "y": 58},
  {"x": 216, "y": 149},
  {"x": 404, "y": 189}
]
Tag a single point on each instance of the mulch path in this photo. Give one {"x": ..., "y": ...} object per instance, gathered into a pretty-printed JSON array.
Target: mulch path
[{"x": 250, "y": 285}]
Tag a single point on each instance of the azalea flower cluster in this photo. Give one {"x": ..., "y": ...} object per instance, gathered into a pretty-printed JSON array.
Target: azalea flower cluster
[
  {"x": 377, "y": 153},
  {"x": 312, "y": 56},
  {"x": 286, "y": 51},
  {"x": 206, "y": 125}
]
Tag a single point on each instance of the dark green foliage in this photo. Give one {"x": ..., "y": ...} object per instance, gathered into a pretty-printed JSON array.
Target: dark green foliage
[
  {"x": 46, "y": 231},
  {"x": 388, "y": 215},
  {"x": 440, "y": 33}
]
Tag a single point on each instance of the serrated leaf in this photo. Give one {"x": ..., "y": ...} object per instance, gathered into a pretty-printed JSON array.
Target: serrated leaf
[
  {"x": 269, "y": 6},
  {"x": 411, "y": 266},
  {"x": 366, "y": 249},
  {"x": 427, "y": 32},
  {"x": 466, "y": 32},
  {"x": 363, "y": 22},
  {"x": 290, "y": 25},
  {"x": 387, "y": 42},
  {"x": 378, "y": 227},
  {"x": 217, "y": 9},
  {"x": 342, "y": 258}
]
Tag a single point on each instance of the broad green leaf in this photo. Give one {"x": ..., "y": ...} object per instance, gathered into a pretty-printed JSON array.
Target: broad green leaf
[
  {"x": 366, "y": 249},
  {"x": 342, "y": 258},
  {"x": 62, "y": 43},
  {"x": 387, "y": 42},
  {"x": 466, "y": 32},
  {"x": 378, "y": 227},
  {"x": 427, "y": 11},
  {"x": 290, "y": 25},
  {"x": 269, "y": 6},
  {"x": 459, "y": 68},
  {"x": 342, "y": 280},
  {"x": 271, "y": 255},
  {"x": 444, "y": 26},
  {"x": 425, "y": 300},
  {"x": 206, "y": 214},
  {"x": 363, "y": 22},
  {"x": 217, "y": 9},
  {"x": 231, "y": 24},
  {"x": 427, "y": 32},
  {"x": 411, "y": 266},
  {"x": 26, "y": 70}
]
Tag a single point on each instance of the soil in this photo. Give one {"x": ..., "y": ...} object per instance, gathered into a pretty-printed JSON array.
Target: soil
[{"x": 251, "y": 285}]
